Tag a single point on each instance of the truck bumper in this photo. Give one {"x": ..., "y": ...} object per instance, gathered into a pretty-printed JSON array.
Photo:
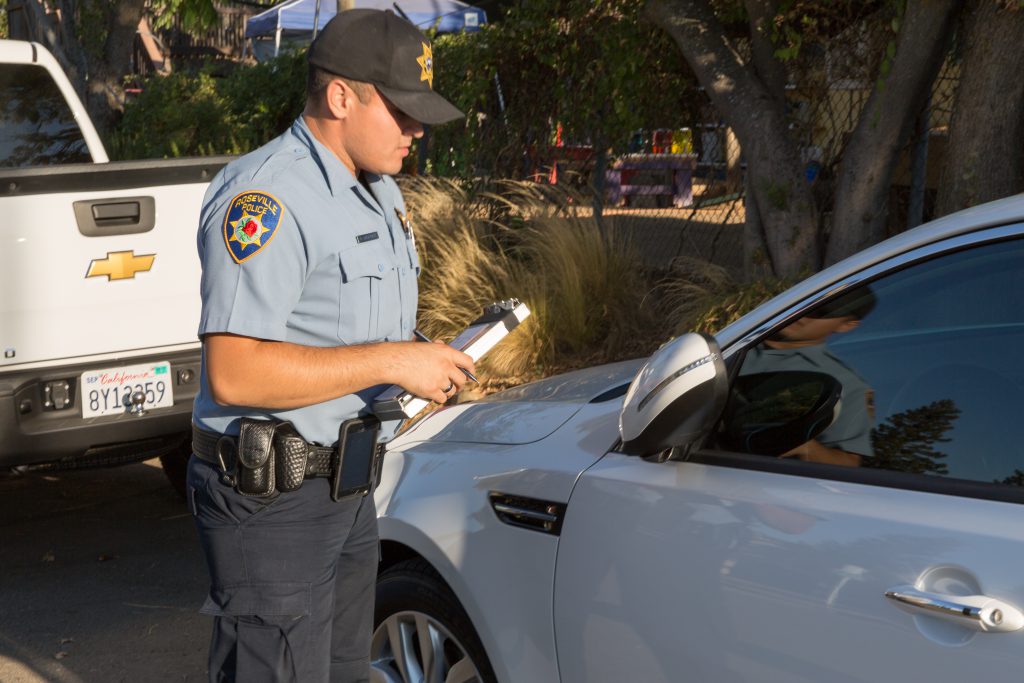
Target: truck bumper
[{"x": 32, "y": 432}]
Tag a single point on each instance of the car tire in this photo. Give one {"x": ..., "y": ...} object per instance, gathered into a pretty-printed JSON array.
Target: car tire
[
  {"x": 175, "y": 465},
  {"x": 413, "y": 601}
]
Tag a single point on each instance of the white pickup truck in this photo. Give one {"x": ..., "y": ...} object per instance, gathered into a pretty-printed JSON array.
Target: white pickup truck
[{"x": 99, "y": 283}]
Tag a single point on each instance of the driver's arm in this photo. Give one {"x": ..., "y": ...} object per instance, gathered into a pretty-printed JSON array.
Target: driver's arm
[{"x": 815, "y": 451}]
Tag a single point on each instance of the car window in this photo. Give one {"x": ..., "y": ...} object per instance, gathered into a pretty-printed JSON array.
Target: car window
[
  {"x": 930, "y": 361},
  {"x": 36, "y": 124}
]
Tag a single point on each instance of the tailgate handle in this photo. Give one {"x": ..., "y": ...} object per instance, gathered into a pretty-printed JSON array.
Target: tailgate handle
[
  {"x": 122, "y": 212},
  {"x": 115, "y": 216},
  {"x": 978, "y": 612}
]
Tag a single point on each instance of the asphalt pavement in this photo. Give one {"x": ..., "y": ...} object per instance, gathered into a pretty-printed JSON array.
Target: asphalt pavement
[{"x": 101, "y": 579}]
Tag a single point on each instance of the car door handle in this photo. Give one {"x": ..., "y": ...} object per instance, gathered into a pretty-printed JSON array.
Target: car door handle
[{"x": 979, "y": 612}]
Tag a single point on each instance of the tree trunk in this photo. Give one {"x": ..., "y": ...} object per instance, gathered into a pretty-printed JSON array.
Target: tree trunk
[
  {"x": 98, "y": 81},
  {"x": 756, "y": 264},
  {"x": 865, "y": 172},
  {"x": 58, "y": 36},
  {"x": 754, "y": 110},
  {"x": 984, "y": 159},
  {"x": 106, "y": 89}
]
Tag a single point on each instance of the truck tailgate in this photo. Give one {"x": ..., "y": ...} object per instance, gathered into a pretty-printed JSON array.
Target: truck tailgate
[{"x": 99, "y": 259}]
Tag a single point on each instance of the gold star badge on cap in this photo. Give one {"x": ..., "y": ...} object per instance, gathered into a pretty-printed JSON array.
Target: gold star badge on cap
[{"x": 426, "y": 62}]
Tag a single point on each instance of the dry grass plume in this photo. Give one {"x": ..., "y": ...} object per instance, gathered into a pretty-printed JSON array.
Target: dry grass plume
[{"x": 584, "y": 285}]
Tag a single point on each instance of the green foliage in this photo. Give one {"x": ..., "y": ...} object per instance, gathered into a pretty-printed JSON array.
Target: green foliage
[
  {"x": 799, "y": 24},
  {"x": 195, "y": 15},
  {"x": 3, "y": 19},
  {"x": 188, "y": 115},
  {"x": 93, "y": 20},
  {"x": 584, "y": 64}
]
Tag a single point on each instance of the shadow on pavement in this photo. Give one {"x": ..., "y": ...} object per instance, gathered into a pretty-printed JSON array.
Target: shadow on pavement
[{"x": 101, "y": 579}]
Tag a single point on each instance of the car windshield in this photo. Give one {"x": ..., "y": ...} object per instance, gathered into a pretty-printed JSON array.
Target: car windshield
[{"x": 37, "y": 127}]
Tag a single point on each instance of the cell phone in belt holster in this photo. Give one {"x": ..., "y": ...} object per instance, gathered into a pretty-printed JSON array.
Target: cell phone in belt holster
[{"x": 352, "y": 474}]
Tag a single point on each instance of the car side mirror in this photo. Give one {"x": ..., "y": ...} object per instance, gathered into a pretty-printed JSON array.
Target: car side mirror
[
  {"x": 676, "y": 398},
  {"x": 772, "y": 413}
]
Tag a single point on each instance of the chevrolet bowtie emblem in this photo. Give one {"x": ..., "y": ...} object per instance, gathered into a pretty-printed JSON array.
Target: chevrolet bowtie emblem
[{"x": 120, "y": 265}]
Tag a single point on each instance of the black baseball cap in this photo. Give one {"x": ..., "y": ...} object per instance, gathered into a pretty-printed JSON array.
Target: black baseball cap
[{"x": 384, "y": 49}]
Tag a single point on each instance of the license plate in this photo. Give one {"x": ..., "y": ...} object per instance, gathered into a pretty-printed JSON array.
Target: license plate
[{"x": 109, "y": 392}]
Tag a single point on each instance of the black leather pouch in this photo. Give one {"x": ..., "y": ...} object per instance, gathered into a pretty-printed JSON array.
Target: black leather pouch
[
  {"x": 255, "y": 471},
  {"x": 290, "y": 455}
]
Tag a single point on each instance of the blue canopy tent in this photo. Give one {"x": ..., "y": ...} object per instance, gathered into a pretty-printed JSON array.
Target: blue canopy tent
[{"x": 292, "y": 21}]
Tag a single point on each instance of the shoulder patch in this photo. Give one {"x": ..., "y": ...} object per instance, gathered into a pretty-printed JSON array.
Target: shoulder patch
[{"x": 250, "y": 224}]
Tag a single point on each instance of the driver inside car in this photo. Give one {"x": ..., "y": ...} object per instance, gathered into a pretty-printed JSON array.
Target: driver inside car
[{"x": 802, "y": 345}]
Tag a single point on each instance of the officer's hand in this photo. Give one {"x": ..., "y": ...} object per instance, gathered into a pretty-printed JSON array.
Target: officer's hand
[{"x": 428, "y": 369}]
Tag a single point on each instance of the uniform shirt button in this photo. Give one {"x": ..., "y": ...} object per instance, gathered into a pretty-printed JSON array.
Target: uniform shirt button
[
  {"x": 380, "y": 267},
  {"x": 403, "y": 270}
]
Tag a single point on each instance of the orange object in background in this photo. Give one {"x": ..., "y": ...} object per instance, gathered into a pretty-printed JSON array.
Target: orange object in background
[{"x": 661, "y": 141}]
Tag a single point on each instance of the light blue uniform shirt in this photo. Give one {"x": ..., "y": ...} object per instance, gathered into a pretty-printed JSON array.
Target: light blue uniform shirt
[
  {"x": 851, "y": 429},
  {"x": 293, "y": 248}
]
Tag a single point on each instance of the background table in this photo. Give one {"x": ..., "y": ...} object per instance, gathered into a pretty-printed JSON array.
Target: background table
[{"x": 677, "y": 182}]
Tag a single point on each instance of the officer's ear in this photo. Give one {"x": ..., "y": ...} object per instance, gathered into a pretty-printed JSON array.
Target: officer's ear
[{"x": 339, "y": 98}]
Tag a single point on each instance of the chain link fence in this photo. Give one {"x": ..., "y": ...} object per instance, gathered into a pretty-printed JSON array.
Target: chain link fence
[
  {"x": 672, "y": 192},
  {"x": 677, "y": 190}
]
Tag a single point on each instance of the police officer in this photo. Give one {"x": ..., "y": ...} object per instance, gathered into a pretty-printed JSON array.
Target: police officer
[
  {"x": 309, "y": 305},
  {"x": 802, "y": 346}
]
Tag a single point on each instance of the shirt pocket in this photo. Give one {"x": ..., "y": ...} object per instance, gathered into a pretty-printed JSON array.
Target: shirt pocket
[{"x": 362, "y": 274}]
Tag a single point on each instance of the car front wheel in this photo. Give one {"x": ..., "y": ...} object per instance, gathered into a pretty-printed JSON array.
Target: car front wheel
[{"x": 421, "y": 633}]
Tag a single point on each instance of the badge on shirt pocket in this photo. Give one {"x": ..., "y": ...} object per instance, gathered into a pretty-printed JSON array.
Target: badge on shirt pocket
[{"x": 250, "y": 224}]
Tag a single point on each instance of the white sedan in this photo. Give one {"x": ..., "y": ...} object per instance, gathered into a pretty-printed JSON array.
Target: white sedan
[{"x": 828, "y": 490}]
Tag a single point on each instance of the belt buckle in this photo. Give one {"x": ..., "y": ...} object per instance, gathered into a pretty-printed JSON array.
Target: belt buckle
[{"x": 223, "y": 443}]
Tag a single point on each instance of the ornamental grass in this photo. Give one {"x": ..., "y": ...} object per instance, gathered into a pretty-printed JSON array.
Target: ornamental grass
[
  {"x": 592, "y": 298},
  {"x": 583, "y": 283}
]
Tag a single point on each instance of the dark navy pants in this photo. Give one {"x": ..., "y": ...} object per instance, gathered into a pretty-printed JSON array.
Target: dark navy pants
[{"x": 292, "y": 581}]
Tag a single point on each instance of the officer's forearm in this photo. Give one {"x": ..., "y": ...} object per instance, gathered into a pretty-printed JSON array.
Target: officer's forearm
[{"x": 243, "y": 371}]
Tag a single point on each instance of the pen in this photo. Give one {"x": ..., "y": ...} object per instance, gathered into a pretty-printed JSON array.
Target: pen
[{"x": 422, "y": 337}]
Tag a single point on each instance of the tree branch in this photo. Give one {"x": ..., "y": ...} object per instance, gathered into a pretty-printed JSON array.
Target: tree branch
[
  {"x": 784, "y": 201},
  {"x": 865, "y": 173},
  {"x": 769, "y": 69}
]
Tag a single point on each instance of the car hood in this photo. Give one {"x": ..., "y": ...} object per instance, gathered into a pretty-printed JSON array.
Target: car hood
[{"x": 526, "y": 413}]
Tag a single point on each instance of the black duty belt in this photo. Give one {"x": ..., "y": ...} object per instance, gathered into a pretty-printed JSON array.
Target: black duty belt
[
  {"x": 222, "y": 450},
  {"x": 269, "y": 457}
]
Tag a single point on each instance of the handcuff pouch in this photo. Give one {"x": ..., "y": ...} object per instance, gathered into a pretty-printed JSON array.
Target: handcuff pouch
[
  {"x": 255, "y": 468},
  {"x": 291, "y": 454}
]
